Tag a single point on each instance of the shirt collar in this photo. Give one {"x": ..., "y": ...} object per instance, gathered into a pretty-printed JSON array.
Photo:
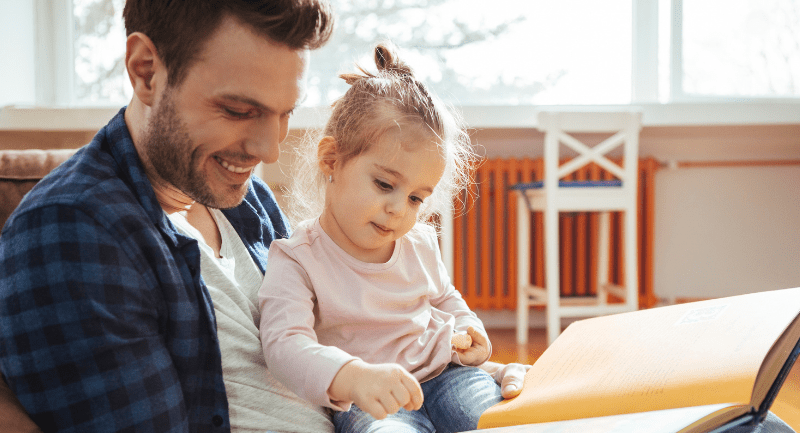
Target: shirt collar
[
  {"x": 132, "y": 172},
  {"x": 247, "y": 219}
]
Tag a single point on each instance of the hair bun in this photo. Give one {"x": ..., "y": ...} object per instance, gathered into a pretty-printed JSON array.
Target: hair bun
[
  {"x": 386, "y": 59},
  {"x": 351, "y": 79}
]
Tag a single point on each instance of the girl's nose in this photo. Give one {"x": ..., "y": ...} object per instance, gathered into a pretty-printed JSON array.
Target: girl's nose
[{"x": 395, "y": 207}]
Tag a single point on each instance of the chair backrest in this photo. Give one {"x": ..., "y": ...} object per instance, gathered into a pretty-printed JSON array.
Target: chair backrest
[
  {"x": 20, "y": 170},
  {"x": 559, "y": 126}
]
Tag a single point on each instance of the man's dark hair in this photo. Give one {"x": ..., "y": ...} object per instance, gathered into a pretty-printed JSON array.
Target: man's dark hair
[{"x": 180, "y": 28}]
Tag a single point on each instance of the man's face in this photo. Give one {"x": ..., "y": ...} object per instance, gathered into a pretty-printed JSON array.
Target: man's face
[{"x": 232, "y": 110}]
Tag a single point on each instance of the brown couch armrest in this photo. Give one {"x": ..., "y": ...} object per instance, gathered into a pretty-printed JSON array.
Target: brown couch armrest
[
  {"x": 13, "y": 418},
  {"x": 20, "y": 170}
]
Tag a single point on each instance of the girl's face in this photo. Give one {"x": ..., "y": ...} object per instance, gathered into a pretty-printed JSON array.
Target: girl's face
[{"x": 374, "y": 198}]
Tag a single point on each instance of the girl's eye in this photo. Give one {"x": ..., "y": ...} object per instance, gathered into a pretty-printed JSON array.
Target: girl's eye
[
  {"x": 416, "y": 200},
  {"x": 383, "y": 185}
]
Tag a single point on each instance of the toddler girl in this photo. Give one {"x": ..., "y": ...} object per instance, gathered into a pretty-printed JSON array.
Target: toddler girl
[{"x": 357, "y": 309}]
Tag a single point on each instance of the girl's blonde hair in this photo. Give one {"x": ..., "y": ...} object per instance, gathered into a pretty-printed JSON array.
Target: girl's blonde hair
[{"x": 375, "y": 104}]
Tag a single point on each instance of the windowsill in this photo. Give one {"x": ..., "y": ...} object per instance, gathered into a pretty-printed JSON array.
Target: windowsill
[{"x": 30, "y": 118}]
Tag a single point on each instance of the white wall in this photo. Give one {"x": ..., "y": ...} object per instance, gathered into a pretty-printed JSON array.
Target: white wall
[
  {"x": 17, "y": 40},
  {"x": 726, "y": 231}
]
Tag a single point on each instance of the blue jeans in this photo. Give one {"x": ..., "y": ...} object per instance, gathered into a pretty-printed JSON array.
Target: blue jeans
[{"x": 453, "y": 402}]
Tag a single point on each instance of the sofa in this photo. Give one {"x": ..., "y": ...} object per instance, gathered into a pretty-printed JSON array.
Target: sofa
[{"x": 20, "y": 170}]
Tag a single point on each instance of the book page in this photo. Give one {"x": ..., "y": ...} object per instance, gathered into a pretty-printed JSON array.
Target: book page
[
  {"x": 774, "y": 362},
  {"x": 685, "y": 355},
  {"x": 660, "y": 421}
]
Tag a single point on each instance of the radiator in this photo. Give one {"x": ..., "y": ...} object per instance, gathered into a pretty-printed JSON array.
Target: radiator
[{"x": 484, "y": 237}]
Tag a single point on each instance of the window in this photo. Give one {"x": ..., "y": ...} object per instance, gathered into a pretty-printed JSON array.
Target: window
[
  {"x": 736, "y": 49},
  {"x": 99, "y": 50},
  {"x": 509, "y": 53},
  {"x": 504, "y": 52}
]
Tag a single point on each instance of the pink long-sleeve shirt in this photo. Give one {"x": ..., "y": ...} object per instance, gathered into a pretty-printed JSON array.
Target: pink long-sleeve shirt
[{"x": 321, "y": 308}]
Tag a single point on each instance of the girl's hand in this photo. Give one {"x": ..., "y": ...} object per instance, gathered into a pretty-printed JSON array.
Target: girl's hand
[
  {"x": 510, "y": 377},
  {"x": 478, "y": 351},
  {"x": 377, "y": 389}
]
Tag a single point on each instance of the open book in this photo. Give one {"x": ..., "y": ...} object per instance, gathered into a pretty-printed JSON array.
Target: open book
[{"x": 690, "y": 368}]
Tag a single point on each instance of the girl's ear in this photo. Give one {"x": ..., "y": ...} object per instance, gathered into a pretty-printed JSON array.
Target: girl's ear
[{"x": 326, "y": 155}]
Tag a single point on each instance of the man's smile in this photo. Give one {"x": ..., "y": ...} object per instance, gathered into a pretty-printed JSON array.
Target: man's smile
[{"x": 233, "y": 168}]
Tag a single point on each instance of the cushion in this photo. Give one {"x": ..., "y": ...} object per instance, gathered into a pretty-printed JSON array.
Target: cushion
[{"x": 20, "y": 170}]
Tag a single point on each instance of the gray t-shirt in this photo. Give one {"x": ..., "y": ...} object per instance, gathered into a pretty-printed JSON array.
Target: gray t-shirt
[{"x": 256, "y": 400}]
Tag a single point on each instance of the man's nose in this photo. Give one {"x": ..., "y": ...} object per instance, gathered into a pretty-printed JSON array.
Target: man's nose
[{"x": 265, "y": 136}]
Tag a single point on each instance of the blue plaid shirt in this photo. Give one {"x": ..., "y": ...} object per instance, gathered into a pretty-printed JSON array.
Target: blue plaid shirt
[{"x": 105, "y": 322}]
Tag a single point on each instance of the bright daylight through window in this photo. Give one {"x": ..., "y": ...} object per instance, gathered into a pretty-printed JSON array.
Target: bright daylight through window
[
  {"x": 750, "y": 48},
  {"x": 515, "y": 52}
]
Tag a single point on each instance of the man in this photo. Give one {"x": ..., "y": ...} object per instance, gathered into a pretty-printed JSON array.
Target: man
[{"x": 126, "y": 294}]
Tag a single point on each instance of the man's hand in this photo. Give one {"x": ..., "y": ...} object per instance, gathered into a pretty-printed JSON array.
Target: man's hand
[
  {"x": 377, "y": 389},
  {"x": 478, "y": 351},
  {"x": 510, "y": 377}
]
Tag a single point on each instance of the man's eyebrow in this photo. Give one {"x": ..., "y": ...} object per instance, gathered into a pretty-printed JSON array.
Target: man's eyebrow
[
  {"x": 250, "y": 101},
  {"x": 400, "y": 176}
]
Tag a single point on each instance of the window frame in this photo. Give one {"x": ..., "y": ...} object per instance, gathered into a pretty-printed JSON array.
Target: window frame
[
  {"x": 55, "y": 59},
  {"x": 55, "y": 84}
]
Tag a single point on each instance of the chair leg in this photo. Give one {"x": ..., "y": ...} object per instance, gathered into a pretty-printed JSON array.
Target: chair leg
[
  {"x": 603, "y": 256},
  {"x": 552, "y": 276},
  {"x": 631, "y": 261},
  {"x": 523, "y": 267},
  {"x": 522, "y": 317}
]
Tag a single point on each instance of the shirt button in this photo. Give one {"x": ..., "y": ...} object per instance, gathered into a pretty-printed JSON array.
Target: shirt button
[{"x": 216, "y": 420}]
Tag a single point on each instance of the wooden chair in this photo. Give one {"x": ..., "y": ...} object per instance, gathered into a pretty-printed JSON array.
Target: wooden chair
[{"x": 554, "y": 195}]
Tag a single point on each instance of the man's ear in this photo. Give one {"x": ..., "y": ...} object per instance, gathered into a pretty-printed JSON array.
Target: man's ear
[
  {"x": 144, "y": 66},
  {"x": 326, "y": 155}
]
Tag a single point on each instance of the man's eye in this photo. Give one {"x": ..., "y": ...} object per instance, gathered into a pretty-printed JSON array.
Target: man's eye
[
  {"x": 383, "y": 185},
  {"x": 234, "y": 113}
]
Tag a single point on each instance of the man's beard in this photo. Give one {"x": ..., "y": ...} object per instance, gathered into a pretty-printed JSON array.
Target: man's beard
[{"x": 175, "y": 158}]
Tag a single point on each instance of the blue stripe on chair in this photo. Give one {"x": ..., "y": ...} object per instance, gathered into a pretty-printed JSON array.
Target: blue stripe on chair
[{"x": 568, "y": 184}]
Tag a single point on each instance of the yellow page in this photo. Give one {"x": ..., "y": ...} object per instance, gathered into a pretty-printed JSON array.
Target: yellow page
[{"x": 670, "y": 357}]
